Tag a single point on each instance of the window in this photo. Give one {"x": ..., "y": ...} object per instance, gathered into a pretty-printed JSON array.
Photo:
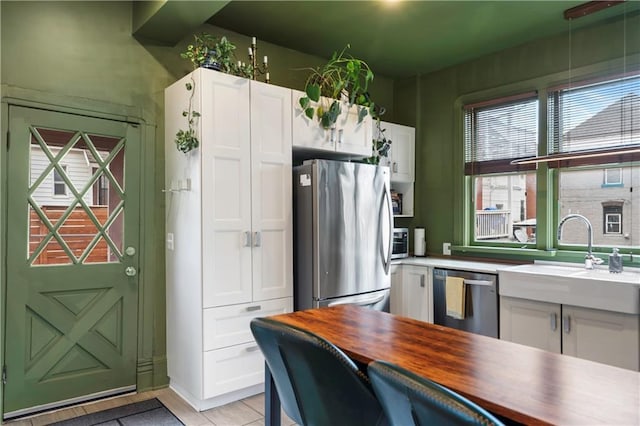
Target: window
[
  {"x": 587, "y": 158},
  {"x": 59, "y": 187},
  {"x": 613, "y": 176},
  {"x": 101, "y": 190},
  {"x": 612, "y": 214},
  {"x": 504, "y": 194},
  {"x": 601, "y": 118}
]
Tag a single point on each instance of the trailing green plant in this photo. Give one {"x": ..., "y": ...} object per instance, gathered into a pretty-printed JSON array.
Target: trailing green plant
[
  {"x": 342, "y": 77},
  {"x": 186, "y": 140},
  {"x": 380, "y": 145}
]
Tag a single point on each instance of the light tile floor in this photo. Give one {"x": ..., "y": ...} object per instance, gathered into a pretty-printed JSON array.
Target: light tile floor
[{"x": 247, "y": 412}]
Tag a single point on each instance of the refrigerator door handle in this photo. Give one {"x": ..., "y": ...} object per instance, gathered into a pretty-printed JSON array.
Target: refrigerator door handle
[
  {"x": 364, "y": 302},
  {"x": 387, "y": 199}
]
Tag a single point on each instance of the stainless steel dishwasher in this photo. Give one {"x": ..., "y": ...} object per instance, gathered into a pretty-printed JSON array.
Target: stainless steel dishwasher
[{"x": 481, "y": 301}]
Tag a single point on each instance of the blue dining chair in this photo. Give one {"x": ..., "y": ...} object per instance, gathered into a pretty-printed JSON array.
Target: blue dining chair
[
  {"x": 408, "y": 399},
  {"x": 316, "y": 382}
]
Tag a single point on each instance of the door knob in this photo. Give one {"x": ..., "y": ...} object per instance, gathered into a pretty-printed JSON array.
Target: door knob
[
  {"x": 130, "y": 271},
  {"x": 130, "y": 251}
]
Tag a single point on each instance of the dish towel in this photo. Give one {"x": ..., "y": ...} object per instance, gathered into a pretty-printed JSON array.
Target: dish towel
[{"x": 455, "y": 296}]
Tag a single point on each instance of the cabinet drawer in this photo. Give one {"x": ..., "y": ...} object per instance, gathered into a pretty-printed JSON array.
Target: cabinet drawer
[
  {"x": 230, "y": 369},
  {"x": 229, "y": 325}
]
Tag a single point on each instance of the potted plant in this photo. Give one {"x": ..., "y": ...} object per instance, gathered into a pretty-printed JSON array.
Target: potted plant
[
  {"x": 215, "y": 53},
  {"x": 342, "y": 78}
]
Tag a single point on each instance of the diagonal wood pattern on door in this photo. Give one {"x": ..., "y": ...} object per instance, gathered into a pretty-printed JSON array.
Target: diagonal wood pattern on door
[{"x": 71, "y": 327}]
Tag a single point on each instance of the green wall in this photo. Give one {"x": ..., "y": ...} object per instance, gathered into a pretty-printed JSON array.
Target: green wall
[
  {"x": 81, "y": 56},
  {"x": 439, "y": 144}
]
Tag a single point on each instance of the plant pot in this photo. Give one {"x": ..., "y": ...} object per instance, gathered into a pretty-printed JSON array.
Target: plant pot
[{"x": 210, "y": 61}]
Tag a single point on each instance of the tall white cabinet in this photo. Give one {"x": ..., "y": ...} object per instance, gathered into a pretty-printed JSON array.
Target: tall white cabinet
[{"x": 229, "y": 232}]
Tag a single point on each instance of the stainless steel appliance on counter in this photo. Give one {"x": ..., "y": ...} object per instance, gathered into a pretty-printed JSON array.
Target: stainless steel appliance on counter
[
  {"x": 400, "y": 248},
  {"x": 343, "y": 226},
  {"x": 480, "y": 301}
]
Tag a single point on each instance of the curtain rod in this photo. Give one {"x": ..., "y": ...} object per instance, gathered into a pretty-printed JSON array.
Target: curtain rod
[{"x": 588, "y": 8}]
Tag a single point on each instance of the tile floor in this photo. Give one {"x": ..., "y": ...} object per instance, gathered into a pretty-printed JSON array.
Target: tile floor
[{"x": 247, "y": 412}]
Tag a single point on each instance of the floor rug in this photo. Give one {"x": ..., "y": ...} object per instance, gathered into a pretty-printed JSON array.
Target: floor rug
[{"x": 144, "y": 413}]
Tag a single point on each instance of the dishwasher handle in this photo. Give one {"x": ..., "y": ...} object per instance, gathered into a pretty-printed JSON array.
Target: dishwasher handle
[
  {"x": 479, "y": 282},
  {"x": 487, "y": 283}
]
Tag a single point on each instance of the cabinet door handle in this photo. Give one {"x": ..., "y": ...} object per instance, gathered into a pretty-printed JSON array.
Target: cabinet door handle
[
  {"x": 340, "y": 136},
  {"x": 257, "y": 239},
  {"x": 554, "y": 321},
  {"x": 333, "y": 135},
  {"x": 252, "y": 348},
  {"x": 395, "y": 167},
  {"x": 253, "y": 308},
  {"x": 247, "y": 239},
  {"x": 566, "y": 323},
  {"x": 421, "y": 280}
]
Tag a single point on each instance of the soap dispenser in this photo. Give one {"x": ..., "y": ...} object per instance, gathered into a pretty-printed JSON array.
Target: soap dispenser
[{"x": 615, "y": 262}]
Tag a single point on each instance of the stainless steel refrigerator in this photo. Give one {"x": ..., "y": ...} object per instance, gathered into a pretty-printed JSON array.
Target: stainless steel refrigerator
[{"x": 343, "y": 224}]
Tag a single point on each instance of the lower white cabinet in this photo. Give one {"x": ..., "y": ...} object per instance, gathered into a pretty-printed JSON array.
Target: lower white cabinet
[
  {"x": 231, "y": 358},
  {"x": 232, "y": 368},
  {"x": 608, "y": 337},
  {"x": 412, "y": 292},
  {"x": 395, "y": 298}
]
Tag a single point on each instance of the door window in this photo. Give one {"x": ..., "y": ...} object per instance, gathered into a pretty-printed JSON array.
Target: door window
[{"x": 82, "y": 223}]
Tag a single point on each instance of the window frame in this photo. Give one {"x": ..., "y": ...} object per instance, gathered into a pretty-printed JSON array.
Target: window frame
[{"x": 547, "y": 178}]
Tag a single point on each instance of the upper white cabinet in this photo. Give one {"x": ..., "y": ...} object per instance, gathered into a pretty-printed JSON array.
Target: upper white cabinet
[
  {"x": 609, "y": 337},
  {"x": 347, "y": 136},
  {"x": 401, "y": 161},
  {"x": 229, "y": 232}
]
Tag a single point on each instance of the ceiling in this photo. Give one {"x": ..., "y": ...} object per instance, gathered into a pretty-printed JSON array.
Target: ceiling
[{"x": 404, "y": 38}]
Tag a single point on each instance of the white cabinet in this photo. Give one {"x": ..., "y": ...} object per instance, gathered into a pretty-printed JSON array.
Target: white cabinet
[
  {"x": 347, "y": 136},
  {"x": 412, "y": 292},
  {"x": 608, "y": 337},
  {"x": 229, "y": 232},
  {"x": 530, "y": 323},
  {"x": 401, "y": 161}
]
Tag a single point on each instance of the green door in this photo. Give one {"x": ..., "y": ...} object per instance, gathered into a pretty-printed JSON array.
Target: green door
[{"x": 72, "y": 258}]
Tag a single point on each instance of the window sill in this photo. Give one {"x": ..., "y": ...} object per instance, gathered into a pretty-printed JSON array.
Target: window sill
[{"x": 506, "y": 252}]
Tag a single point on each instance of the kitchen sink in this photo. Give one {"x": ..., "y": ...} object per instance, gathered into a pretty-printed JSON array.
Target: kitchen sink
[{"x": 572, "y": 284}]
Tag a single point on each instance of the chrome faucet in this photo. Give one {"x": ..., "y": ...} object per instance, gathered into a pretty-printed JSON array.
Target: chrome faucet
[{"x": 589, "y": 259}]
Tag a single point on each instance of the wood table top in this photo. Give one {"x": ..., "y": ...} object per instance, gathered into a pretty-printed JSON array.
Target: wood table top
[{"x": 524, "y": 384}]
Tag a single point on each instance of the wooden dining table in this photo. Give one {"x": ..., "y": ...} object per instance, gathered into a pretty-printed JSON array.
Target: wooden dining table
[{"x": 520, "y": 383}]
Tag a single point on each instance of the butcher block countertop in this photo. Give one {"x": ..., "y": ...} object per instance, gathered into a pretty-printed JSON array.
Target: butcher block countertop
[{"x": 521, "y": 383}]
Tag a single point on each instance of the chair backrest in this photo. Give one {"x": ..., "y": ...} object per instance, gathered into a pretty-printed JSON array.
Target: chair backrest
[
  {"x": 408, "y": 399},
  {"x": 316, "y": 382}
]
